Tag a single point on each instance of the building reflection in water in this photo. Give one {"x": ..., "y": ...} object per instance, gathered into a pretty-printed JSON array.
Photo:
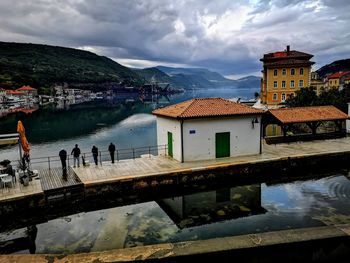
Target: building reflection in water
[{"x": 213, "y": 206}]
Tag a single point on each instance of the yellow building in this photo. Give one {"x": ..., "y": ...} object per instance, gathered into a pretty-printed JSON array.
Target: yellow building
[
  {"x": 284, "y": 73},
  {"x": 337, "y": 80}
]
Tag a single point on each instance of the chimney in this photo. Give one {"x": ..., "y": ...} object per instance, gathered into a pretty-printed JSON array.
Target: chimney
[{"x": 288, "y": 49}]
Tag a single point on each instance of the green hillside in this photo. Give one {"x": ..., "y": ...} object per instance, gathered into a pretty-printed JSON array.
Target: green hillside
[
  {"x": 335, "y": 66},
  {"x": 43, "y": 65}
]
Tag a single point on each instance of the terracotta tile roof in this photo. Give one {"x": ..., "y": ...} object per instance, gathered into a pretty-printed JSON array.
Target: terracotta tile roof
[
  {"x": 207, "y": 107},
  {"x": 25, "y": 88},
  {"x": 286, "y": 54},
  {"x": 338, "y": 75},
  {"x": 14, "y": 92},
  {"x": 308, "y": 114},
  {"x": 289, "y": 62}
]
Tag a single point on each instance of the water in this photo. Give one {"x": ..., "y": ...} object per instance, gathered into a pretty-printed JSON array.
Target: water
[
  {"x": 126, "y": 120},
  {"x": 231, "y": 211}
]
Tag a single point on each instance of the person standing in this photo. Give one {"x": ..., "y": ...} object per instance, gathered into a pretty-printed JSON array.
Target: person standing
[
  {"x": 111, "y": 149},
  {"x": 94, "y": 151},
  {"x": 63, "y": 157},
  {"x": 76, "y": 154}
]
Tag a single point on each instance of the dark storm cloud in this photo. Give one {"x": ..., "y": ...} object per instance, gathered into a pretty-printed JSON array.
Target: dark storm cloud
[{"x": 227, "y": 36}]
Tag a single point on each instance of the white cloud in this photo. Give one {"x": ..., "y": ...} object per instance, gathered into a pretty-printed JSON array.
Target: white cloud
[{"x": 227, "y": 36}]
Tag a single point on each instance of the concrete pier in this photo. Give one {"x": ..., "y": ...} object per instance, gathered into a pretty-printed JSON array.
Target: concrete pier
[{"x": 161, "y": 172}]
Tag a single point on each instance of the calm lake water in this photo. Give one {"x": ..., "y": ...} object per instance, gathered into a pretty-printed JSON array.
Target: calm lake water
[
  {"x": 126, "y": 120},
  {"x": 231, "y": 211}
]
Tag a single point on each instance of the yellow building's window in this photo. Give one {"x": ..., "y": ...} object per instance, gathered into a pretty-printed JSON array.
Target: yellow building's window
[
  {"x": 301, "y": 83},
  {"x": 274, "y": 97},
  {"x": 301, "y": 71},
  {"x": 292, "y": 71},
  {"x": 275, "y": 85},
  {"x": 292, "y": 83},
  {"x": 275, "y": 72},
  {"x": 283, "y": 84},
  {"x": 284, "y": 72}
]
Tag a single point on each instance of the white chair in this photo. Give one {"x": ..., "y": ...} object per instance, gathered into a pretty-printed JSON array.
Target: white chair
[{"x": 6, "y": 180}]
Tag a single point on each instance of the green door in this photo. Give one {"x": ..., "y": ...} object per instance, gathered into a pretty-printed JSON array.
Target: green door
[
  {"x": 222, "y": 144},
  {"x": 170, "y": 144}
]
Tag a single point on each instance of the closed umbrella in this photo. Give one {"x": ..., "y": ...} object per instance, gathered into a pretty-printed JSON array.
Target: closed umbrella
[{"x": 23, "y": 139}]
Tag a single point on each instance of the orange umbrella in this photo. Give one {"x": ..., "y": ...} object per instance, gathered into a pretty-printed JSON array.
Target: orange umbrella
[{"x": 22, "y": 136}]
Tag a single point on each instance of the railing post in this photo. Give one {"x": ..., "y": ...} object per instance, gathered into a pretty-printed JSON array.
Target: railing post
[
  {"x": 68, "y": 160},
  {"x": 165, "y": 150},
  {"x": 100, "y": 158},
  {"x": 117, "y": 155},
  {"x": 133, "y": 153},
  {"x": 48, "y": 160},
  {"x": 149, "y": 151}
]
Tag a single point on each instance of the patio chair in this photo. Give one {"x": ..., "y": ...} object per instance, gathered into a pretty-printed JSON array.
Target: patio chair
[{"x": 7, "y": 180}]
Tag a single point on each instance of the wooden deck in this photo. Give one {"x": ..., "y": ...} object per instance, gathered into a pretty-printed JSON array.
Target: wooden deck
[
  {"x": 56, "y": 188},
  {"x": 52, "y": 179}
]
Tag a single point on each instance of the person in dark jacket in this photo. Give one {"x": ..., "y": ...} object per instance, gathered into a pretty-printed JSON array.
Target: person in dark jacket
[
  {"x": 63, "y": 157},
  {"x": 76, "y": 154},
  {"x": 111, "y": 149},
  {"x": 94, "y": 151}
]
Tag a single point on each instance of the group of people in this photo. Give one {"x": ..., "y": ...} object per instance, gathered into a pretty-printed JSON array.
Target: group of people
[{"x": 76, "y": 157}]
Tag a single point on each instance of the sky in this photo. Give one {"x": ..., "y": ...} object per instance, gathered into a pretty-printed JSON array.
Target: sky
[{"x": 227, "y": 36}]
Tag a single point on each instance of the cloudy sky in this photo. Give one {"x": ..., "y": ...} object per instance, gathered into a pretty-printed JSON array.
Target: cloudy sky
[{"x": 228, "y": 36}]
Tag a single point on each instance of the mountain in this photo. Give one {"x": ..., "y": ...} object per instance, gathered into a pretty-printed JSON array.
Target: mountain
[
  {"x": 43, "y": 65},
  {"x": 201, "y": 78},
  {"x": 249, "y": 82},
  {"x": 336, "y": 66}
]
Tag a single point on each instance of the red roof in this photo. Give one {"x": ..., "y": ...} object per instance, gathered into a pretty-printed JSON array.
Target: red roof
[
  {"x": 26, "y": 88},
  {"x": 308, "y": 114},
  {"x": 14, "y": 92},
  {"x": 207, "y": 107},
  {"x": 338, "y": 75}
]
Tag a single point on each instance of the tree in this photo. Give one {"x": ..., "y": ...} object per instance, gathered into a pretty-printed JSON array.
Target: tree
[{"x": 303, "y": 97}]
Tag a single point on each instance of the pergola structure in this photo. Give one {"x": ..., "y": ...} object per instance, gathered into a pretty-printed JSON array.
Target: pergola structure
[{"x": 311, "y": 116}]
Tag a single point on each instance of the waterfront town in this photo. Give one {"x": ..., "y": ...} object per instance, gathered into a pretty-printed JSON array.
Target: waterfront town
[
  {"x": 198, "y": 141},
  {"x": 174, "y": 131}
]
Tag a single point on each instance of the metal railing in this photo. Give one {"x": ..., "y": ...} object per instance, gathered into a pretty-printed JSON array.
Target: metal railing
[{"x": 120, "y": 154}]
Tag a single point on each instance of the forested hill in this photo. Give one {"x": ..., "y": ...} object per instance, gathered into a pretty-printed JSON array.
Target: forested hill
[
  {"x": 43, "y": 65},
  {"x": 336, "y": 66}
]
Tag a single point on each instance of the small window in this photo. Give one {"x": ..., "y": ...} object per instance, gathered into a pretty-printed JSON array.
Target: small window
[
  {"x": 301, "y": 83},
  {"x": 274, "y": 97},
  {"x": 283, "y": 98},
  {"x": 284, "y": 72},
  {"x": 275, "y": 72},
  {"x": 292, "y": 71},
  {"x": 283, "y": 84},
  {"x": 292, "y": 83},
  {"x": 301, "y": 71},
  {"x": 275, "y": 85}
]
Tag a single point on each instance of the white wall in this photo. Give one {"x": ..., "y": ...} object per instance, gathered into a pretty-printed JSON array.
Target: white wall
[
  {"x": 244, "y": 140},
  {"x": 165, "y": 125},
  {"x": 348, "y": 121}
]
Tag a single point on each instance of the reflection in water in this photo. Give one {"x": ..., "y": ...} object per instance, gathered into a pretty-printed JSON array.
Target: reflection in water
[
  {"x": 224, "y": 212},
  {"x": 208, "y": 207}
]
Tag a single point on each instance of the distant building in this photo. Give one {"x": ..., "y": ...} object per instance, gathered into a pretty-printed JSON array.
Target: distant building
[
  {"x": 318, "y": 83},
  {"x": 28, "y": 91},
  {"x": 202, "y": 129},
  {"x": 284, "y": 73},
  {"x": 347, "y": 80},
  {"x": 337, "y": 80},
  {"x": 2, "y": 95}
]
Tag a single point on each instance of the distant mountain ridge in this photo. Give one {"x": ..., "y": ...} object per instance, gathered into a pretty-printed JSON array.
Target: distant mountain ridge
[
  {"x": 335, "y": 66},
  {"x": 43, "y": 65}
]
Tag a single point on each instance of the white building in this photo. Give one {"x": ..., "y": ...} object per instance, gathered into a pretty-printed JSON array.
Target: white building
[{"x": 202, "y": 129}]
